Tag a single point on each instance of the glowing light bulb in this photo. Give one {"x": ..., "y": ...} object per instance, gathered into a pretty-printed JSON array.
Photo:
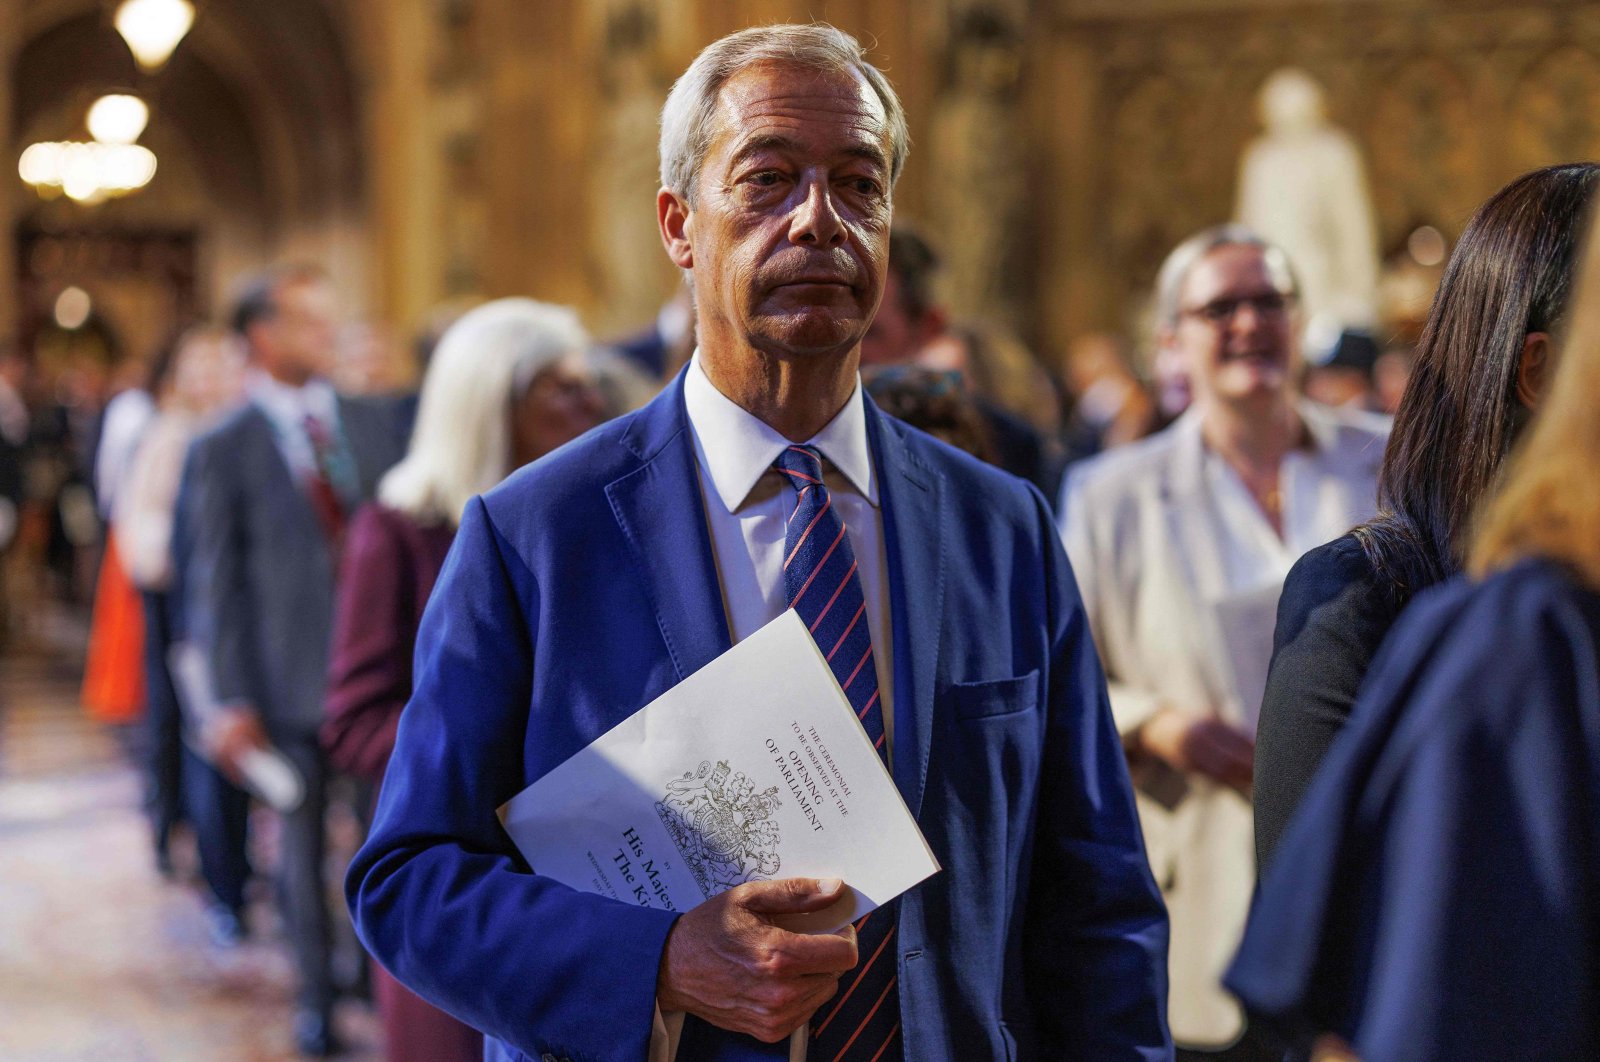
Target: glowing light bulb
[
  {"x": 153, "y": 28},
  {"x": 72, "y": 309},
  {"x": 124, "y": 167},
  {"x": 40, "y": 164},
  {"x": 118, "y": 119},
  {"x": 80, "y": 172}
]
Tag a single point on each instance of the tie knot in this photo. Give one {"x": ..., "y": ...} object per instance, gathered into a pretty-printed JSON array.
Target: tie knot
[
  {"x": 802, "y": 464},
  {"x": 316, "y": 430}
]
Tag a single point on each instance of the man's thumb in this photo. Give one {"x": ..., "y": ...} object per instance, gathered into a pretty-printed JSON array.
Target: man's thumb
[{"x": 792, "y": 895}]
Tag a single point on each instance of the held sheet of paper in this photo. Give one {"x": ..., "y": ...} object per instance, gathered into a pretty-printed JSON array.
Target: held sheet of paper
[{"x": 753, "y": 768}]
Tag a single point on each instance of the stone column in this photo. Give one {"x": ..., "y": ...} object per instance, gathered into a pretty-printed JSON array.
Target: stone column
[
  {"x": 541, "y": 107},
  {"x": 1073, "y": 295},
  {"x": 404, "y": 181}
]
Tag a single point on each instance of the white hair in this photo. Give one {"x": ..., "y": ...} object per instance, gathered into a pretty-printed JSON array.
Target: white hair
[
  {"x": 688, "y": 119},
  {"x": 461, "y": 445},
  {"x": 1188, "y": 254}
]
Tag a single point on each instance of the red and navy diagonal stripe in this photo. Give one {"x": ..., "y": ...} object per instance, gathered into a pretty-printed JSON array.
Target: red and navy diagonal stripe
[{"x": 862, "y": 1022}]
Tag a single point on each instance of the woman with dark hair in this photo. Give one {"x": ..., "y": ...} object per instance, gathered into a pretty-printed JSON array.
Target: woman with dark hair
[
  {"x": 1437, "y": 896},
  {"x": 1478, "y": 372}
]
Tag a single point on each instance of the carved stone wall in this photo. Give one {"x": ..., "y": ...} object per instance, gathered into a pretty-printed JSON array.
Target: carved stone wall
[
  {"x": 1060, "y": 146},
  {"x": 1448, "y": 99}
]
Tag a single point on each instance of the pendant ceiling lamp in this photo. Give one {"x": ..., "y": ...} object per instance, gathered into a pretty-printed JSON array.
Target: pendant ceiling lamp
[
  {"x": 153, "y": 28},
  {"x": 118, "y": 118}
]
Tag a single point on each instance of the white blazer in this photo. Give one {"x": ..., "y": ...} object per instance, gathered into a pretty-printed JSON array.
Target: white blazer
[{"x": 1166, "y": 541}]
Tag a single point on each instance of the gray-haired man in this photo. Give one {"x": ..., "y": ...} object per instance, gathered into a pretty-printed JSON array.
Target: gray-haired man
[{"x": 598, "y": 578}]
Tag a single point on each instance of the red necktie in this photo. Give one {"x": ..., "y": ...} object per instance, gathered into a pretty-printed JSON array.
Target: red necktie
[{"x": 324, "y": 498}]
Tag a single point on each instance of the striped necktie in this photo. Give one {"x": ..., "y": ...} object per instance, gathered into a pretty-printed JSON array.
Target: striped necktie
[{"x": 862, "y": 1022}]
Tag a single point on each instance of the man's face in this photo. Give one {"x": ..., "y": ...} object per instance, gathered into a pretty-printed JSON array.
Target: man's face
[
  {"x": 300, "y": 338},
  {"x": 789, "y": 233},
  {"x": 895, "y": 336},
  {"x": 1236, "y": 335}
]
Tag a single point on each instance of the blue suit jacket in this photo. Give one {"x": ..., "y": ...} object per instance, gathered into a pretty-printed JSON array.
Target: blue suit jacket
[{"x": 584, "y": 587}]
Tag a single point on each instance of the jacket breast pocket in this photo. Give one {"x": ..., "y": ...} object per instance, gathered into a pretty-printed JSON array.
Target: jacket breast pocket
[{"x": 996, "y": 697}]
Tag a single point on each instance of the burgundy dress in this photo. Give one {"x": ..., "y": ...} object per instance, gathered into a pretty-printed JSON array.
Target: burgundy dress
[{"x": 388, "y": 570}]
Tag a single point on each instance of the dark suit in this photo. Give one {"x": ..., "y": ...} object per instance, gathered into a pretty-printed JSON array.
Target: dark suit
[
  {"x": 1335, "y": 611},
  {"x": 1434, "y": 898},
  {"x": 258, "y": 600},
  {"x": 585, "y": 586}
]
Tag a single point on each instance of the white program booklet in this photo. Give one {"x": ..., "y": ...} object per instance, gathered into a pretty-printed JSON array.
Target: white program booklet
[{"x": 753, "y": 768}]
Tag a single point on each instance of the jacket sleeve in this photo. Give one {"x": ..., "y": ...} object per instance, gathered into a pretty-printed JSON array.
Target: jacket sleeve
[
  {"x": 219, "y": 599},
  {"x": 1096, "y": 936},
  {"x": 1131, "y": 705},
  {"x": 439, "y": 895},
  {"x": 369, "y": 675},
  {"x": 1332, "y": 617}
]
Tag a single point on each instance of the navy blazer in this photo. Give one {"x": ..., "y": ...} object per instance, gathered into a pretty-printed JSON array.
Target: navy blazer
[
  {"x": 1434, "y": 898},
  {"x": 584, "y": 587}
]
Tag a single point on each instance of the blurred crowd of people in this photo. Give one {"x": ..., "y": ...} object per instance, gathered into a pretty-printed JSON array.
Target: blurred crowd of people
[{"x": 262, "y": 524}]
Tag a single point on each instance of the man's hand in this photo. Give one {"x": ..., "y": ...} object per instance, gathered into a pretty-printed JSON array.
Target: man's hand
[
  {"x": 1201, "y": 744},
  {"x": 232, "y": 733},
  {"x": 725, "y": 961}
]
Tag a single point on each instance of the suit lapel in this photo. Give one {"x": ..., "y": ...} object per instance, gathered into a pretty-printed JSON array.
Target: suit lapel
[
  {"x": 914, "y": 539},
  {"x": 1187, "y": 500},
  {"x": 276, "y": 476},
  {"x": 662, "y": 515}
]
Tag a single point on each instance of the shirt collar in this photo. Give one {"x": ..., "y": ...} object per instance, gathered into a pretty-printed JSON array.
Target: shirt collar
[
  {"x": 1320, "y": 423},
  {"x": 736, "y": 448},
  {"x": 287, "y": 404}
]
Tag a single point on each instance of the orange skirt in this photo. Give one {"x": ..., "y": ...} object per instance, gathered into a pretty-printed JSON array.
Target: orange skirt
[{"x": 113, "y": 674}]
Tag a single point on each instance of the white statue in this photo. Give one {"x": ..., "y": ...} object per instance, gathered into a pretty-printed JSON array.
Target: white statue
[{"x": 1302, "y": 186}]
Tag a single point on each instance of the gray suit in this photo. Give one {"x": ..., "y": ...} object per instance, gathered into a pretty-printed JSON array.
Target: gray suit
[
  {"x": 258, "y": 592},
  {"x": 259, "y": 586}
]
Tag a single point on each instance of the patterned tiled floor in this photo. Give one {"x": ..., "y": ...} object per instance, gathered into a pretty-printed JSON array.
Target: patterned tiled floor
[{"x": 100, "y": 958}]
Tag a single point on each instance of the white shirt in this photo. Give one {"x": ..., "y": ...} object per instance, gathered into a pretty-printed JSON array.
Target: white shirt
[
  {"x": 1315, "y": 508},
  {"x": 127, "y": 415},
  {"x": 747, "y": 506},
  {"x": 286, "y": 406}
]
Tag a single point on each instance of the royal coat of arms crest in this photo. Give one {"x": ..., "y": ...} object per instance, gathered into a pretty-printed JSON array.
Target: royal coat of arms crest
[{"x": 723, "y": 828}]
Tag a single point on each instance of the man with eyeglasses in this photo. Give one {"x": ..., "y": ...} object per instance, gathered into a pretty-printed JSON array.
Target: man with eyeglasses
[{"x": 1180, "y": 544}]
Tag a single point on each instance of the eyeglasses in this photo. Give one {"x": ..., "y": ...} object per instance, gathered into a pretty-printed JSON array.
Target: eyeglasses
[{"x": 1219, "y": 313}]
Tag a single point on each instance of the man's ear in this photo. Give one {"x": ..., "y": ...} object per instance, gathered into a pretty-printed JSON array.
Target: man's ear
[
  {"x": 672, "y": 215},
  {"x": 1533, "y": 368}
]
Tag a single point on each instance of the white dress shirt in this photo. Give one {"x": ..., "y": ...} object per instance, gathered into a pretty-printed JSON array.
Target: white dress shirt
[
  {"x": 127, "y": 416},
  {"x": 287, "y": 406},
  {"x": 747, "y": 506}
]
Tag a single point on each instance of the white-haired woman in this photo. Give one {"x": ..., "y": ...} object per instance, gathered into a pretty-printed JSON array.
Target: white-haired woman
[{"x": 508, "y": 383}]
